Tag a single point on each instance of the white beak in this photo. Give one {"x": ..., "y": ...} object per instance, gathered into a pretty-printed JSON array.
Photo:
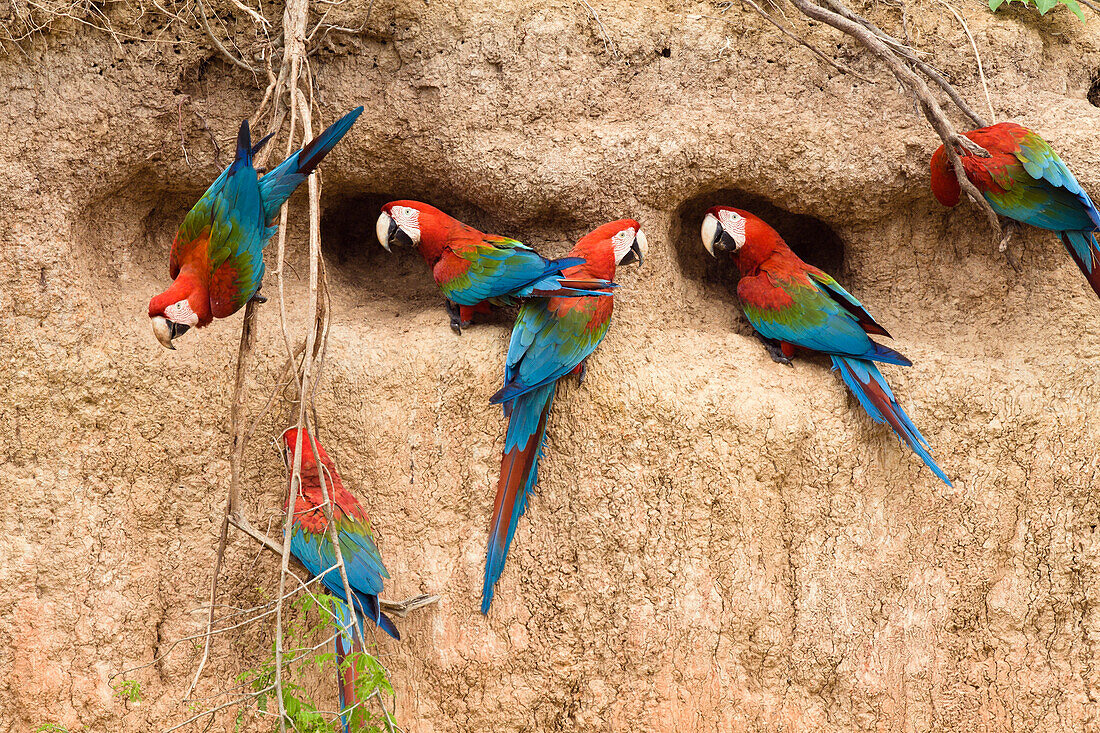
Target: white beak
[
  {"x": 163, "y": 332},
  {"x": 710, "y": 232},
  {"x": 382, "y": 229}
]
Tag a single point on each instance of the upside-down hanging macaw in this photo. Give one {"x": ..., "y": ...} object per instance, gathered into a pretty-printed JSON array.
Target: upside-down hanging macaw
[
  {"x": 1025, "y": 180},
  {"x": 552, "y": 338},
  {"x": 217, "y": 261},
  {"x": 790, "y": 303},
  {"x": 475, "y": 270},
  {"x": 311, "y": 543}
]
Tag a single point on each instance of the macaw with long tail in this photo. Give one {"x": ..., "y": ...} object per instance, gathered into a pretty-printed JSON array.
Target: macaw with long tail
[
  {"x": 475, "y": 270},
  {"x": 217, "y": 262},
  {"x": 1025, "y": 180},
  {"x": 791, "y": 303},
  {"x": 552, "y": 338},
  {"x": 311, "y": 543}
]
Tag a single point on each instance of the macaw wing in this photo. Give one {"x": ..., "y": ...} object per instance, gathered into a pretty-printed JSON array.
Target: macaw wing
[
  {"x": 494, "y": 267},
  {"x": 550, "y": 339},
  {"x": 1042, "y": 163},
  {"x": 195, "y": 228},
  {"x": 802, "y": 314},
  {"x": 362, "y": 561},
  {"x": 846, "y": 300},
  {"x": 237, "y": 238}
]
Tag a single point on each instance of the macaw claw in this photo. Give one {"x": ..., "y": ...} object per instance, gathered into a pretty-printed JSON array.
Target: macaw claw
[
  {"x": 457, "y": 324},
  {"x": 775, "y": 350}
]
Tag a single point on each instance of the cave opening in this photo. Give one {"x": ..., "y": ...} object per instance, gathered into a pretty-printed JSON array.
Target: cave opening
[{"x": 811, "y": 239}]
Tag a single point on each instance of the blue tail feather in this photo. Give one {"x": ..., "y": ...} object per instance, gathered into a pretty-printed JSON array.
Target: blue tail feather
[
  {"x": 868, "y": 385},
  {"x": 277, "y": 186},
  {"x": 1083, "y": 248},
  {"x": 243, "y": 157},
  {"x": 518, "y": 476}
]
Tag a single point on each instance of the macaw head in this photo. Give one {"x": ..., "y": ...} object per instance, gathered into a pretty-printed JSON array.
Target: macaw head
[
  {"x": 945, "y": 185},
  {"x": 178, "y": 308},
  {"x": 287, "y": 442},
  {"x": 726, "y": 229},
  {"x": 415, "y": 224},
  {"x": 615, "y": 243},
  {"x": 742, "y": 234}
]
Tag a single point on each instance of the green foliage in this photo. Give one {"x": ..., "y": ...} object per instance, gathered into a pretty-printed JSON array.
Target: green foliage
[
  {"x": 1043, "y": 6},
  {"x": 127, "y": 690},
  {"x": 50, "y": 728},
  {"x": 313, "y": 624}
]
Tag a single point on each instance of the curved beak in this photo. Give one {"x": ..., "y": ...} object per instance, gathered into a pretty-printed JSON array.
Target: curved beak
[
  {"x": 385, "y": 229},
  {"x": 638, "y": 249},
  {"x": 389, "y": 233},
  {"x": 166, "y": 331},
  {"x": 715, "y": 238}
]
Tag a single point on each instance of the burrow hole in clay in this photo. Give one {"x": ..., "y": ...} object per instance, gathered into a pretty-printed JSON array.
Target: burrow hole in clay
[
  {"x": 1094, "y": 90},
  {"x": 810, "y": 238}
]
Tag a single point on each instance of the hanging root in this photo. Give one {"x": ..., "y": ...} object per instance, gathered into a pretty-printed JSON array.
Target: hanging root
[{"x": 898, "y": 57}]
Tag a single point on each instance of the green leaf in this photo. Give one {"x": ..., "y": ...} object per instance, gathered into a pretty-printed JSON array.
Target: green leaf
[
  {"x": 994, "y": 4},
  {"x": 1075, "y": 8},
  {"x": 1045, "y": 5}
]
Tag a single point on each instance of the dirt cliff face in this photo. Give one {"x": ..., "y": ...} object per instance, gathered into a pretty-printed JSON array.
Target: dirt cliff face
[{"x": 718, "y": 542}]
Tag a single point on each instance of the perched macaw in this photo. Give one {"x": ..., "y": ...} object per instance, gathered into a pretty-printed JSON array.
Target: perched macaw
[
  {"x": 473, "y": 269},
  {"x": 1025, "y": 180},
  {"x": 790, "y": 303},
  {"x": 217, "y": 261},
  {"x": 311, "y": 543},
  {"x": 552, "y": 338}
]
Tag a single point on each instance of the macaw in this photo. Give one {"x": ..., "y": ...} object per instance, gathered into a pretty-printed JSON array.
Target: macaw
[
  {"x": 791, "y": 303},
  {"x": 475, "y": 270},
  {"x": 1025, "y": 180},
  {"x": 311, "y": 544},
  {"x": 217, "y": 261},
  {"x": 552, "y": 338}
]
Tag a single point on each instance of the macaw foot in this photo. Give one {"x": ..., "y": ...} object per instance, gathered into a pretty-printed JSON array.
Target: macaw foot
[
  {"x": 581, "y": 370},
  {"x": 455, "y": 312},
  {"x": 258, "y": 298},
  {"x": 775, "y": 350},
  {"x": 466, "y": 313}
]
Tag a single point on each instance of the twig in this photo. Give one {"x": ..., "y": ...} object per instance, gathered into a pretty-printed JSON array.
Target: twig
[
  {"x": 218, "y": 44},
  {"x": 251, "y": 13},
  {"x": 608, "y": 45},
  {"x": 183, "y": 142},
  {"x": 836, "y": 65},
  {"x": 977, "y": 57},
  {"x": 401, "y": 609},
  {"x": 240, "y": 396},
  {"x": 931, "y": 108},
  {"x": 232, "y": 507},
  {"x": 910, "y": 55}
]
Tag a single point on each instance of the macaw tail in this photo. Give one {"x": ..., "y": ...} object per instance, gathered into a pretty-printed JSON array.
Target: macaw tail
[
  {"x": 243, "y": 156},
  {"x": 1083, "y": 249},
  {"x": 868, "y": 385},
  {"x": 280, "y": 182},
  {"x": 347, "y": 671},
  {"x": 518, "y": 475}
]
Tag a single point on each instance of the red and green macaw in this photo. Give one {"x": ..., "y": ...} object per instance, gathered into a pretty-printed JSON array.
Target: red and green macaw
[
  {"x": 311, "y": 543},
  {"x": 1025, "y": 180},
  {"x": 475, "y": 270},
  {"x": 790, "y": 303},
  {"x": 552, "y": 338},
  {"x": 217, "y": 261}
]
